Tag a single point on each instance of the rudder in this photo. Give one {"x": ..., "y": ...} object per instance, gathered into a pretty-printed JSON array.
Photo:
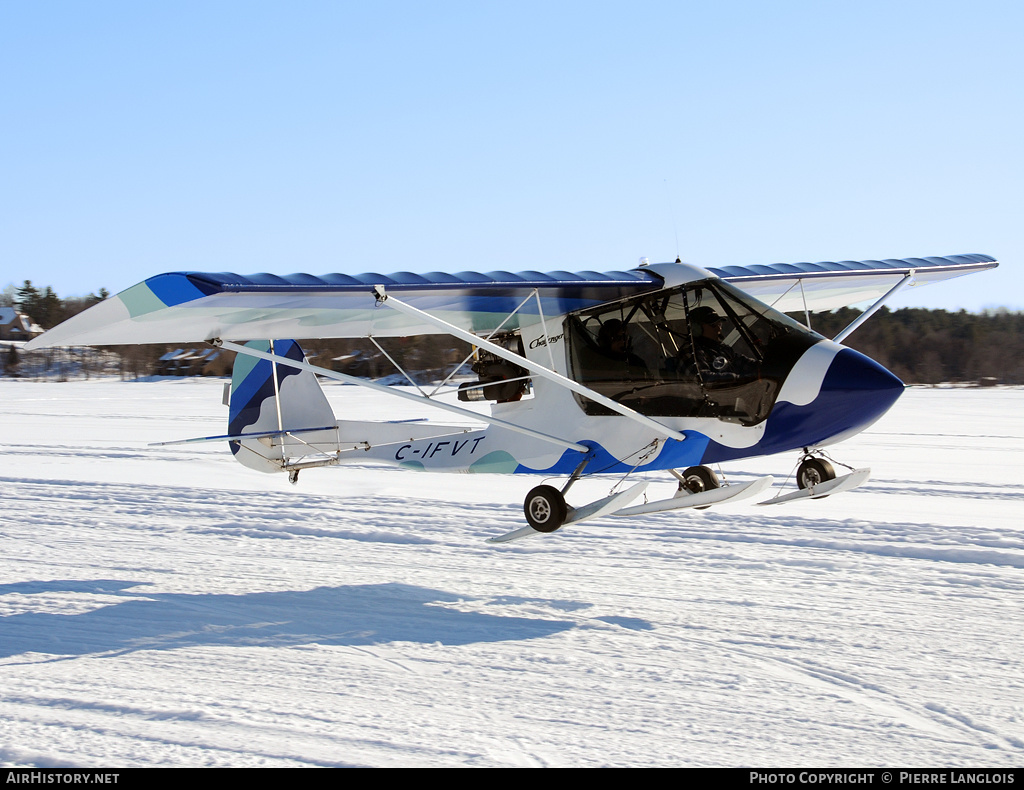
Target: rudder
[{"x": 270, "y": 396}]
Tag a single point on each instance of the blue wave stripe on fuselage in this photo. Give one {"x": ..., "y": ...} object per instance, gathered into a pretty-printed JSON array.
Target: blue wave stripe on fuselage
[
  {"x": 673, "y": 454},
  {"x": 855, "y": 392}
]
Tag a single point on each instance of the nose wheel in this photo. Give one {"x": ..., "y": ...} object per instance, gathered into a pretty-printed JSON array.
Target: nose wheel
[
  {"x": 699, "y": 478},
  {"x": 813, "y": 472}
]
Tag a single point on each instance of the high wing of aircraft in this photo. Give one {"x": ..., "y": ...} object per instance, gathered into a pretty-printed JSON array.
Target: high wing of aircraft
[{"x": 666, "y": 367}]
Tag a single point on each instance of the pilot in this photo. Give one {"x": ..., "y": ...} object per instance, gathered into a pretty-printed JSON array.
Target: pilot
[{"x": 717, "y": 361}]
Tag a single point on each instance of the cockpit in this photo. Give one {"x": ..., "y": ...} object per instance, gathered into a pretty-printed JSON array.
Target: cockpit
[{"x": 704, "y": 349}]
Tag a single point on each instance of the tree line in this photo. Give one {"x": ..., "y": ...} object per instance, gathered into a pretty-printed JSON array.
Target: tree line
[
  {"x": 43, "y": 306},
  {"x": 918, "y": 345},
  {"x": 931, "y": 346}
]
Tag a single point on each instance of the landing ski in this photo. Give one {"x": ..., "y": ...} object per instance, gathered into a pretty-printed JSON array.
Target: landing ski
[
  {"x": 845, "y": 483},
  {"x": 716, "y": 496},
  {"x": 601, "y": 507}
]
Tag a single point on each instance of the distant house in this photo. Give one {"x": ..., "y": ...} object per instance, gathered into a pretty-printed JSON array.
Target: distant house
[
  {"x": 17, "y": 326},
  {"x": 186, "y": 362}
]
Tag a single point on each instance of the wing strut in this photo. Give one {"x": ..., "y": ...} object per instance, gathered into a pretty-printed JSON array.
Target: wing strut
[
  {"x": 534, "y": 367},
  {"x": 908, "y": 279},
  {"x": 396, "y": 392}
]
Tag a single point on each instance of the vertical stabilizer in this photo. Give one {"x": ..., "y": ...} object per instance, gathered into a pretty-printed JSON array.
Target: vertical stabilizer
[{"x": 267, "y": 396}]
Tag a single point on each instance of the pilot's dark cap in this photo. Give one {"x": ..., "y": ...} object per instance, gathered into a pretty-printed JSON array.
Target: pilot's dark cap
[{"x": 705, "y": 315}]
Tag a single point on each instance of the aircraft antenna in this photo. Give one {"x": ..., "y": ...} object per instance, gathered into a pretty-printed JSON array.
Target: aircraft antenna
[{"x": 672, "y": 214}]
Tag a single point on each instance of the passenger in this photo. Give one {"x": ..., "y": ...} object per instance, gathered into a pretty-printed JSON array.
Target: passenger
[
  {"x": 717, "y": 361},
  {"x": 615, "y": 343},
  {"x": 613, "y": 360}
]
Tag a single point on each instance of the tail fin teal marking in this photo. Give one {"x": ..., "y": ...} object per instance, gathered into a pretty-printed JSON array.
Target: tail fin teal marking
[{"x": 252, "y": 382}]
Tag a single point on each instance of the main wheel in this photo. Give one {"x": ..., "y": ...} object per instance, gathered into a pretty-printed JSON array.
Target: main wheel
[
  {"x": 545, "y": 508},
  {"x": 699, "y": 478},
  {"x": 814, "y": 472}
]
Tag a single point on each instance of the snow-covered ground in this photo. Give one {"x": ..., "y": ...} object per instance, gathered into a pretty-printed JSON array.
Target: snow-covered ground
[{"x": 166, "y": 606}]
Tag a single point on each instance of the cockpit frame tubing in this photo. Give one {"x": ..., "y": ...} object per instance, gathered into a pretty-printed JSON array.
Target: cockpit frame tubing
[{"x": 742, "y": 328}]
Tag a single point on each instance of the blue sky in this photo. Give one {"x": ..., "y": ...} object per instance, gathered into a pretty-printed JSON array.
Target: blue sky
[{"x": 333, "y": 136}]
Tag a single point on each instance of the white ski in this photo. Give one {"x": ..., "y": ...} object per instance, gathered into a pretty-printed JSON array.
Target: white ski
[
  {"x": 845, "y": 483},
  {"x": 601, "y": 507},
  {"x": 716, "y": 496},
  {"x": 516, "y": 534}
]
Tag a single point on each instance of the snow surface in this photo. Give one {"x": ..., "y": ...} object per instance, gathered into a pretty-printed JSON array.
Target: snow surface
[{"x": 166, "y": 606}]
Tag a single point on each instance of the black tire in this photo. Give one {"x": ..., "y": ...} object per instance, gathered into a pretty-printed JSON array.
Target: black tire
[
  {"x": 545, "y": 508},
  {"x": 699, "y": 478},
  {"x": 814, "y": 472}
]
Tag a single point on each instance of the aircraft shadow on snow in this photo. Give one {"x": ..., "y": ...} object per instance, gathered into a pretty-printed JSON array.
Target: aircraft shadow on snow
[{"x": 350, "y": 615}]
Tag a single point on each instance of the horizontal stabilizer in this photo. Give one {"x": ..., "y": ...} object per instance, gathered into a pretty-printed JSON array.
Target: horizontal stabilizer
[{"x": 240, "y": 436}]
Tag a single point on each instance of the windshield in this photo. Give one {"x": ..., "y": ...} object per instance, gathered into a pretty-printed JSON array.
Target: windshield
[{"x": 701, "y": 350}]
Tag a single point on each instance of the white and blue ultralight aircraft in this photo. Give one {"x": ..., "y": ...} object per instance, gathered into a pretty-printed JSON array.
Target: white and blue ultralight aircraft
[{"x": 666, "y": 367}]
